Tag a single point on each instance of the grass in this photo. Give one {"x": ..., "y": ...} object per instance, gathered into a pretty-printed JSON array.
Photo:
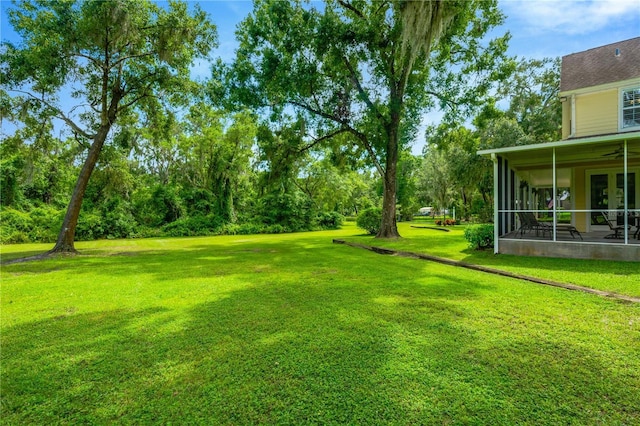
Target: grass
[
  {"x": 614, "y": 276},
  {"x": 292, "y": 329}
]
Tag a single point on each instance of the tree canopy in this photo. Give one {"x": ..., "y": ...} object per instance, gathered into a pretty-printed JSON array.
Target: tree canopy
[
  {"x": 314, "y": 118},
  {"x": 116, "y": 58},
  {"x": 368, "y": 69}
]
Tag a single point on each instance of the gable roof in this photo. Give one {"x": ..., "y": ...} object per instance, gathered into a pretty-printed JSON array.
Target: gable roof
[{"x": 601, "y": 65}]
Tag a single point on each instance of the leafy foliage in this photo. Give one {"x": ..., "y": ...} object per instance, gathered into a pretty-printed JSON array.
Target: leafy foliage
[
  {"x": 479, "y": 236},
  {"x": 115, "y": 75},
  {"x": 369, "y": 220},
  {"x": 365, "y": 69}
]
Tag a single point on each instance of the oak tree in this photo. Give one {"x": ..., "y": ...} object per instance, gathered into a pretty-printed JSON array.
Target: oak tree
[
  {"x": 368, "y": 68},
  {"x": 93, "y": 63}
]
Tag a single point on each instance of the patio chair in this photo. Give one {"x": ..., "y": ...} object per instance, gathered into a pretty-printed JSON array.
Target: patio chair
[
  {"x": 528, "y": 222},
  {"x": 613, "y": 226},
  {"x": 531, "y": 223}
]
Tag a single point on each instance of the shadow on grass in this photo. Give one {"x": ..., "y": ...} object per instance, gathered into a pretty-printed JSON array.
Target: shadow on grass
[{"x": 310, "y": 349}]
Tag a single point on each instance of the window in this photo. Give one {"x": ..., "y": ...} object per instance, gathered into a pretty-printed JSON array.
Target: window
[{"x": 631, "y": 108}]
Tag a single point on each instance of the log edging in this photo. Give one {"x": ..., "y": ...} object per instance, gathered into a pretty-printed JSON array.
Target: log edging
[{"x": 450, "y": 262}]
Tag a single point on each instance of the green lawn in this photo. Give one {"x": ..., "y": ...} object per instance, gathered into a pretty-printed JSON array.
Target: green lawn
[
  {"x": 292, "y": 329},
  {"x": 618, "y": 277}
]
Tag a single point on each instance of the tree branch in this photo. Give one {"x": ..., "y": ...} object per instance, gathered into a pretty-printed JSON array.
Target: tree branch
[
  {"x": 59, "y": 114},
  {"x": 124, "y": 58},
  {"x": 361, "y": 136},
  {"x": 323, "y": 138},
  {"x": 90, "y": 59},
  {"x": 444, "y": 99},
  {"x": 352, "y": 8},
  {"x": 362, "y": 92}
]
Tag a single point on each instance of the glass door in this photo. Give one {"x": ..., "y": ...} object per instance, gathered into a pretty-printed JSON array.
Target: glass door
[
  {"x": 599, "y": 184},
  {"x": 606, "y": 194}
]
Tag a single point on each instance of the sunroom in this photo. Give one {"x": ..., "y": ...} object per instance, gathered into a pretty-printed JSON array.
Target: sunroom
[{"x": 576, "y": 198}]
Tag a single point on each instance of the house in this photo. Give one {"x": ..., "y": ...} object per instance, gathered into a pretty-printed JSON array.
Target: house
[{"x": 584, "y": 190}]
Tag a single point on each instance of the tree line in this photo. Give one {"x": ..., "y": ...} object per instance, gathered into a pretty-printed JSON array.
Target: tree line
[{"x": 312, "y": 121}]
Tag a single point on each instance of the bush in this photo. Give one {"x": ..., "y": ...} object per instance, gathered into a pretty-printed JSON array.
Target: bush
[
  {"x": 479, "y": 236},
  {"x": 370, "y": 220},
  {"x": 89, "y": 226},
  {"x": 329, "y": 220},
  {"x": 292, "y": 211},
  {"x": 192, "y": 226},
  {"x": 117, "y": 219},
  {"x": 250, "y": 228},
  {"x": 166, "y": 205},
  {"x": 15, "y": 226},
  {"x": 47, "y": 221},
  {"x": 40, "y": 225}
]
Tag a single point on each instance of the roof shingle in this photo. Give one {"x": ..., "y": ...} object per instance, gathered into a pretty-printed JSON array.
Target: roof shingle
[{"x": 601, "y": 65}]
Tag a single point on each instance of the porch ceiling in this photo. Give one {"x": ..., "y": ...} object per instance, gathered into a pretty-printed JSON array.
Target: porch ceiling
[{"x": 604, "y": 151}]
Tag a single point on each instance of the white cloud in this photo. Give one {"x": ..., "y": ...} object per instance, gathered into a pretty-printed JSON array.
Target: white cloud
[{"x": 573, "y": 17}]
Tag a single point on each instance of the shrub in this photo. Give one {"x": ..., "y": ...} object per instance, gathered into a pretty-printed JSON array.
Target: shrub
[
  {"x": 166, "y": 205},
  {"x": 370, "y": 220},
  {"x": 47, "y": 221},
  {"x": 329, "y": 220},
  {"x": 14, "y": 222},
  {"x": 276, "y": 228},
  {"x": 41, "y": 225},
  {"x": 117, "y": 219},
  {"x": 479, "y": 236},
  {"x": 192, "y": 226},
  {"x": 15, "y": 226},
  {"x": 293, "y": 211},
  {"x": 89, "y": 226},
  {"x": 250, "y": 228}
]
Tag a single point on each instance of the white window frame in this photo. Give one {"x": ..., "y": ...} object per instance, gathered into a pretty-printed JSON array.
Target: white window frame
[{"x": 621, "y": 125}]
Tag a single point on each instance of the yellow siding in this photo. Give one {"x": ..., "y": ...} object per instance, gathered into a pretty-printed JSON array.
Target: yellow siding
[{"x": 597, "y": 113}]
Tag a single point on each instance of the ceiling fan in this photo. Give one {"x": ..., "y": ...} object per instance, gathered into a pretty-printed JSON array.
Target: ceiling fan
[{"x": 619, "y": 153}]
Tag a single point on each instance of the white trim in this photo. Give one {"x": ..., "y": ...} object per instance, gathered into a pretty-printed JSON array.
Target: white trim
[
  {"x": 621, "y": 110},
  {"x": 602, "y": 87},
  {"x": 567, "y": 142},
  {"x": 496, "y": 213},
  {"x": 554, "y": 194},
  {"x": 625, "y": 185}
]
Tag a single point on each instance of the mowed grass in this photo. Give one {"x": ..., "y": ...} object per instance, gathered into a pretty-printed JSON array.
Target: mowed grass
[
  {"x": 292, "y": 329},
  {"x": 613, "y": 276}
]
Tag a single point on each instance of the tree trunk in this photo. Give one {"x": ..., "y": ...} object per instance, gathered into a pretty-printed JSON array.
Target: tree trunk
[
  {"x": 388, "y": 227},
  {"x": 66, "y": 237}
]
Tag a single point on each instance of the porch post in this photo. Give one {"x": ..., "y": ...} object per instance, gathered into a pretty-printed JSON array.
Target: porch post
[
  {"x": 555, "y": 191},
  {"x": 496, "y": 221},
  {"x": 626, "y": 195}
]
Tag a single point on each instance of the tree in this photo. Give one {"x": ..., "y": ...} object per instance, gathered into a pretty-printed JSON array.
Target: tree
[
  {"x": 116, "y": 57},
  {"x": 468, "y": 170},
  {"x": 437, "y": 179},
  {"x": 533, "y": 97},
  {"x": 365, "y": 68},
  {"x": 215, "y": 151}
]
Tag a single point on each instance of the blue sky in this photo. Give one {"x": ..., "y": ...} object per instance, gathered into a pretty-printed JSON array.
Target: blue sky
[{"x": 539, "y": 28}]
